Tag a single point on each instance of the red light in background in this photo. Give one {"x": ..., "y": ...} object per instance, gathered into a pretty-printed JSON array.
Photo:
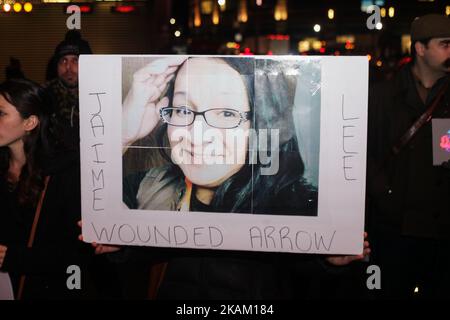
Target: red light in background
[
  {"x": 278, "y": 37},
  {"x": 247, "y": 52},
  {"x": 124, "y": 9},
  {"x": 85, "y": 8},
  {"x": 322, "y": 50},
  {"x": 269, "y": 53},
  {"x": 349, "y": 45},
  {"x": 404, "y": 61}
]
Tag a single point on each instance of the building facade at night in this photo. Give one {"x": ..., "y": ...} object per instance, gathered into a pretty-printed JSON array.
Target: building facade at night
[{"x": 30, "y": 33}]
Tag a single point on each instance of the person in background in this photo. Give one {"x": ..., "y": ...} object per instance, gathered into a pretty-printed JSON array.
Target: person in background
[
  {"x": 408, "y": 196},
  {"x": 63, "y": 88},
  {"x": 40, "y": 203}
]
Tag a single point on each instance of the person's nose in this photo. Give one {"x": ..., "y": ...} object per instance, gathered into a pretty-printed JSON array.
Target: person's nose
[
  {"x": 67, "y": 67},
  {"x": 72, "y": 66},
  {"x": 197, "y": 131}
]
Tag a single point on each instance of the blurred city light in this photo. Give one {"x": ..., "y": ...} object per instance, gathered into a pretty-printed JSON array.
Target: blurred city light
[
  {"x": 391, "y": 12},
  {"x": 17, "y": 7},
  {"x": 7, "y": 7},
  {"x": 28, "y": 7},
  {"x": 330, "y": 14}
]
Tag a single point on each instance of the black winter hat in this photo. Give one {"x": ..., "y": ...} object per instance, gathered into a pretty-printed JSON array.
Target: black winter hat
[{"x": 72, "y": 44}]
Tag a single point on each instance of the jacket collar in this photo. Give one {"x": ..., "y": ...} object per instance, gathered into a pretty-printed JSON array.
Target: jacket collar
[{"x": 409, "y": 90}]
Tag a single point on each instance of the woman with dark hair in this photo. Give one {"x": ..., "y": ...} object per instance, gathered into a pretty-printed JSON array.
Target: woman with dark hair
[
  {"x": 227, "y": 109},
  {"x": 40, "y": 199},
  {"x": 200, "y": 105}
]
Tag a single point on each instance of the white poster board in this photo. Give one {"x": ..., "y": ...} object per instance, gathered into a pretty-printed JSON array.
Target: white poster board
[{"x": 311, "y": 112}]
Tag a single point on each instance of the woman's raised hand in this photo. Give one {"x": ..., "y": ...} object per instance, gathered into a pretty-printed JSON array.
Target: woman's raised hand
[{"x": 143, "y": 101}]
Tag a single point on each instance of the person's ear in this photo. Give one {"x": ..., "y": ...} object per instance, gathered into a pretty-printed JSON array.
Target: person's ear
[
  {"x": 30, "y": 123},
  {"x": 420, "y": 48}
]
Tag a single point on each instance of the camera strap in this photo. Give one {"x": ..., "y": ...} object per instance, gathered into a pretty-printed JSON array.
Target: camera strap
[{"x": 423, "y": 119}]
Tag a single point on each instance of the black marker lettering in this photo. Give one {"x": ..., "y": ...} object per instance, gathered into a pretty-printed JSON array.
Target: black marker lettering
[
  {"x": 268, "y": 235},
  {"x": 218, "y": 238},
  {"x": 98, "y": 179},
  {"x": 96, "y": 119},
  {"x": 196, "y": 234},
  {"x": 96, "y": 200},
  {"x": 123, "y": 234},
  {"x": 284, "y": 236},
  {"x": 157, "y": 232},
  {"x": 104, "y": 231},
  {"x": 182, "y": 233},
  {"x": 139, "y": 234},
  {"x": 257, "y": 235},
  {"x": 97, "y": 160},
  {"x": 345, "y": 136},
  {"x": 306, "y": 239},
  {"x": 320, "y": 242}
]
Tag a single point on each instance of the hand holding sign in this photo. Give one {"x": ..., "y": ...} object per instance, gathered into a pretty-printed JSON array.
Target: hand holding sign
[
  {"x": 2, "y": 254},
  {"x": 143, "y": 101},
  {"x": 265, "y": 91},
  {"x": 346, "y": 259},
  {"x": 99, "y": 248}
]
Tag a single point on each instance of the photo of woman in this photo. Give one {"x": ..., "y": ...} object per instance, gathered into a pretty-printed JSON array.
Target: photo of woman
[{"x": 214, "y": 134}]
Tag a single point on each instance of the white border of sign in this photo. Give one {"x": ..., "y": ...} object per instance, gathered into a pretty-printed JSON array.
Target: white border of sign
[{"x": 338, "y": 228}]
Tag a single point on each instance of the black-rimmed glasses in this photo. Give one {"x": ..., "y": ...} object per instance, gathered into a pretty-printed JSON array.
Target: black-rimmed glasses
[{"x": 221, "y": 118}]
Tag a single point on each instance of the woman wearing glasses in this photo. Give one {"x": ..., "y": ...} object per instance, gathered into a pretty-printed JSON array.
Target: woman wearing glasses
[
  {"x": 198, "y": 104},
  {"x": 205, "y": 108}
]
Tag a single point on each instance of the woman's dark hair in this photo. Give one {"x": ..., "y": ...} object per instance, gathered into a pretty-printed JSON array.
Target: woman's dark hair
[
  {"x": 30, "y": 100},
  {"x": 249, "y": 190}
]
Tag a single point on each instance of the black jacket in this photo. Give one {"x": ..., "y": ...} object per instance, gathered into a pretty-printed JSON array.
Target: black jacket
[
  {"x": 215, "y": 274},
  {"x": 221, "y": 274},
  {"x": 56, "y": 245},
  {"x": 407, "y": 194}
]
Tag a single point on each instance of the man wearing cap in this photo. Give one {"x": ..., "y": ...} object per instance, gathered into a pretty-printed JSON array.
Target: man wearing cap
[
  {"x": 64, "y": 88},
  {"x": 408, "y": 197}
]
